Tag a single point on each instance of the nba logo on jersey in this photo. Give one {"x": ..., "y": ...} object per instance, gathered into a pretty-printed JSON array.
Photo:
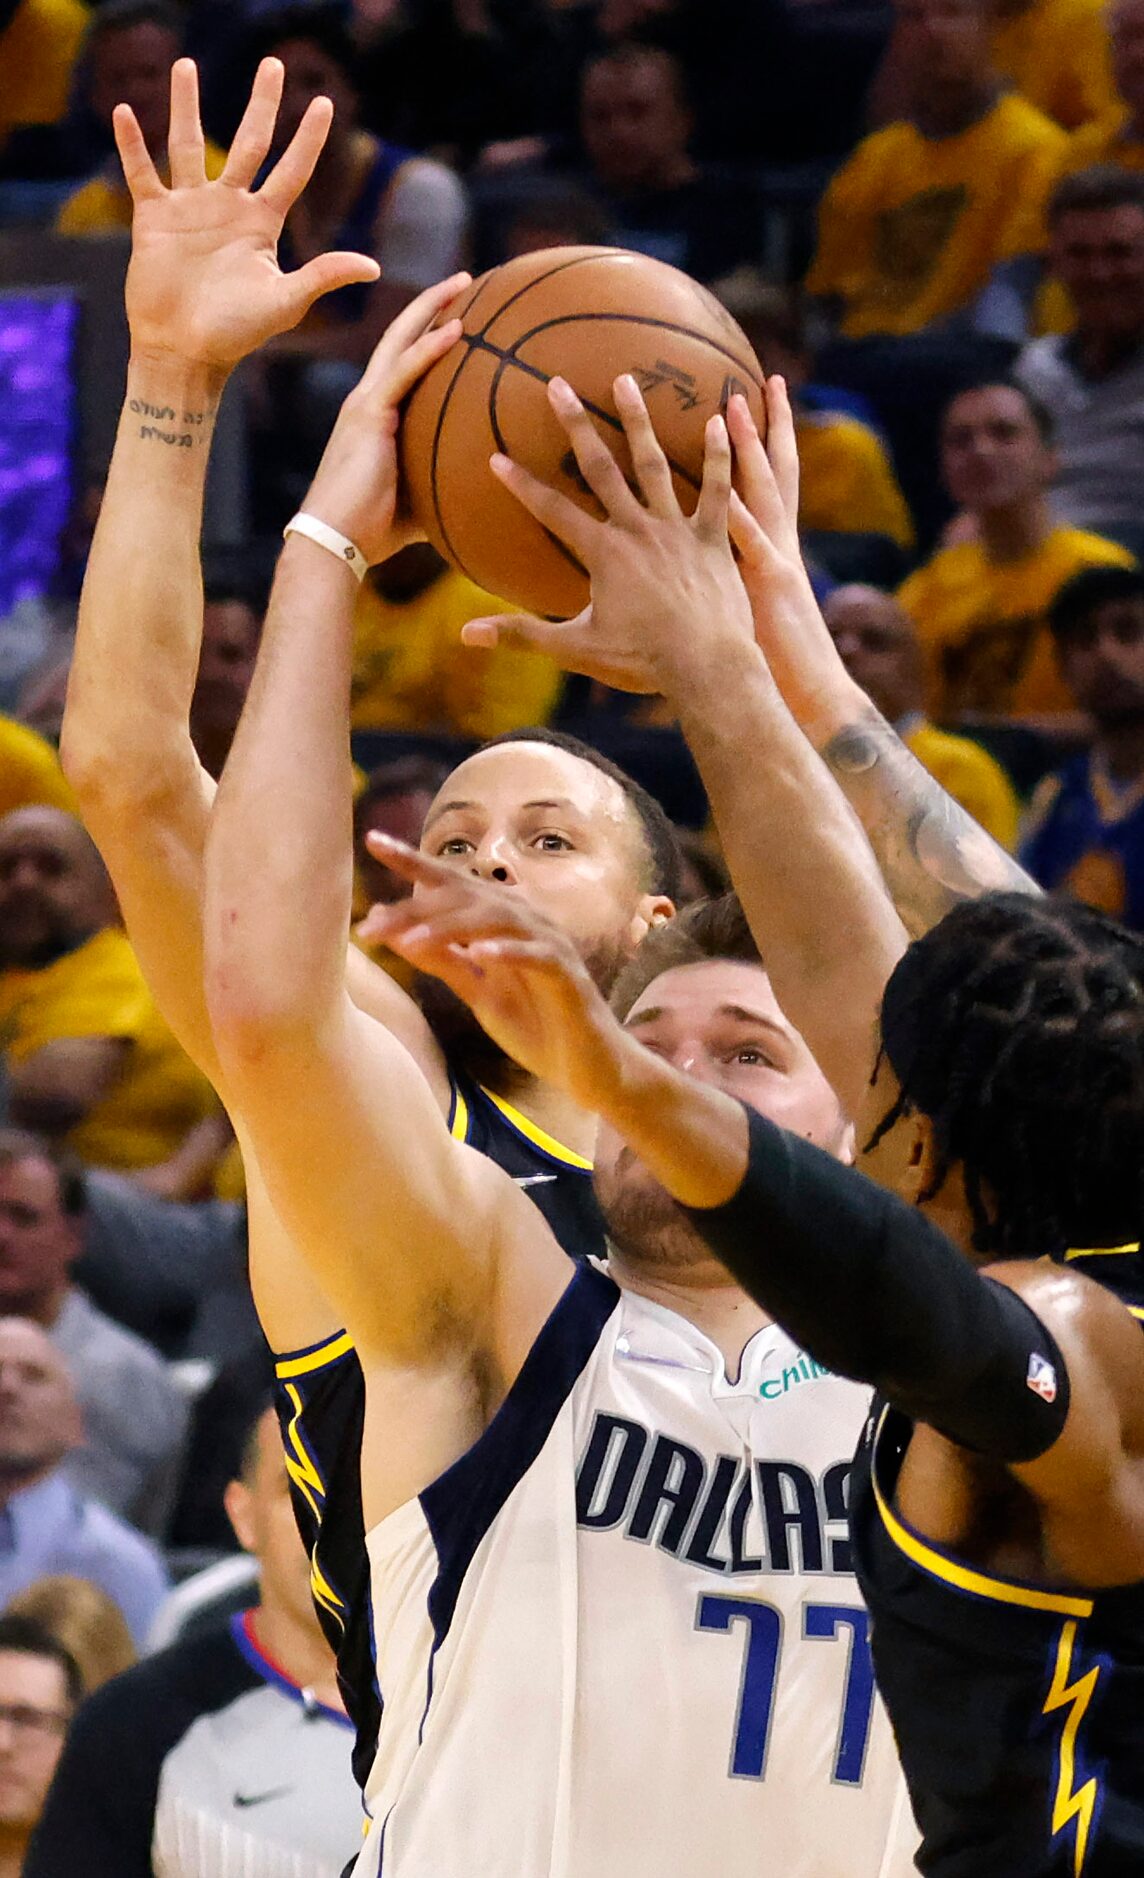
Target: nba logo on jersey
[{"x": 1042, "y": 1377}]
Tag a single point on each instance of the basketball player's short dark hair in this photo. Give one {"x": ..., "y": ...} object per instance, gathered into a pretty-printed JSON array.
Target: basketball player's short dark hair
[
  {"x": 20, "y": 1144},
  {"x": 1082, "y": 596},
  {"x": 707, "y": 931},
  {"x": 1017, "y": 1027},
  {"x": 122, "y": 16},
  {"x": 664, "y": 869},
  {"x": 321, "y": 25},
  {"x": 1102, "y": 186},
  {"x": 1004, "y": 381},
  {"x": 27, "y": 1636}
]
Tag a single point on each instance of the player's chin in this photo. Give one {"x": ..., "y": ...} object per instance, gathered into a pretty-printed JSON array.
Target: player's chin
[{"x": 643, "y": 1222}]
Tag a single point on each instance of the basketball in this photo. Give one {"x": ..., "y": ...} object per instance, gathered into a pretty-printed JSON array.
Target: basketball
[{"x": 587, "y": 315}]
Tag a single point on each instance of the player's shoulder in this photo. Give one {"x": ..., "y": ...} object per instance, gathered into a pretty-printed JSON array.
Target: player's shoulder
[{"x": 1084, "y": 1313}]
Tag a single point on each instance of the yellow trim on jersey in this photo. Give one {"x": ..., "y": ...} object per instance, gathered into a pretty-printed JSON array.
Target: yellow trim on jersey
[
  {"x": 1075, "y": 1697},
  {"x": 323, "y": 1592},
  {"x": 300, "y": 1463},
  {"x": 338, "y": 1345},
  {"x": 1134, "y": 1310},
  {"x": 459, "y": 1126},
  {"x": 535, "y": 1134},
  {"x": 980, "y": 1584},
  {"x": 1103, "y": 1251}
]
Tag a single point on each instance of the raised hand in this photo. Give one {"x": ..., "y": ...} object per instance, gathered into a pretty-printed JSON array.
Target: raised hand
[
  {"x": 355, "y": 488},
  {"x": 204, "y": 285},
  {"x": 788, "y": 624},
  {"x": 665, "y": 589},
  {"x": 522, "y": 977}
]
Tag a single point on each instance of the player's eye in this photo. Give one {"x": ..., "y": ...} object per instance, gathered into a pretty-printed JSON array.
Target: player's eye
[
  {"x": 456, "y": 845},
  {"x": 749, "y": 1056},
  {"x": 552, "y": 843}
]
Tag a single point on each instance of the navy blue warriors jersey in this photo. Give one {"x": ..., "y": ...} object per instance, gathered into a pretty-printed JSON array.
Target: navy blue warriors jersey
[
  {"x": 1019, "y": 1711},
  {"x": 321, "y": 1403}
]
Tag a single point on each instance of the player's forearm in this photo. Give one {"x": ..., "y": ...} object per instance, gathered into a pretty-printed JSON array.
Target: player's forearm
[
  {"x": 931, "y": 851},
  {"x": 810, "y": 887},
  {"x": 140, "y": 620},
  {"x": 279, "y": 852},
  {"x": 693, "y": 1138}
]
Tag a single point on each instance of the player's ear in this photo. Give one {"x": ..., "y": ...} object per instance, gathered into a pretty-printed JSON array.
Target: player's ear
[
  {"x": 653, "y": 909},
  {"x": 921, "y": 1160},
  {"x": 236, "y": 1500}
]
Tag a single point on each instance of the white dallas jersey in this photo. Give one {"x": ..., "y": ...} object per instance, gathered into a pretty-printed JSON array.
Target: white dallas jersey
[{"x": 622, "y": 1634}]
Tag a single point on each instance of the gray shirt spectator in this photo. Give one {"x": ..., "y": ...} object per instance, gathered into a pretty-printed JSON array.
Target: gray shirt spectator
[
  {"x": 134, "y": 1415},
  {"x": 46, "y": 1526},
  {"x": 1092, "y": 379}
]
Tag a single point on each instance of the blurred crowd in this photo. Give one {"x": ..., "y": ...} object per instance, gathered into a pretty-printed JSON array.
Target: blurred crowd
[{"x": 929, "y": 216}]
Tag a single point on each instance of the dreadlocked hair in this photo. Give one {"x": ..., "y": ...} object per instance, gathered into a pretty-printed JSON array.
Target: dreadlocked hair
[{"x": 1017, "y": 1027}]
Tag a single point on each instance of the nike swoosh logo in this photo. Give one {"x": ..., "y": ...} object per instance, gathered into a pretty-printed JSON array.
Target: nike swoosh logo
[
  {"x": 257, "y": 1799},
  {"x": 533, "y": 1180}
]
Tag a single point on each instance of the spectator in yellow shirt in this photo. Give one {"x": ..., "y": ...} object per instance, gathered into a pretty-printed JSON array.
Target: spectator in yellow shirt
[
  {"x": 130, "y": 50},
  {"x": 38, "y": 49},
  {"x": 980, "y": 606},
  {"x": 30, "y": 771},
  {"x": 88, "y": 1058},
  {"x": 411, "y": 671},
  {"x": 1056, "y": 54},
  {"x": 846, "y": 480},
  {"x": 879, "y": 647},
  {"x": 937, "y": 208}
]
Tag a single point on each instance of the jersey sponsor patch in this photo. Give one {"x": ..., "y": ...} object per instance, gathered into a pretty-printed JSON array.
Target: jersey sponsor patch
[{"x": 1042, "y": 1378}]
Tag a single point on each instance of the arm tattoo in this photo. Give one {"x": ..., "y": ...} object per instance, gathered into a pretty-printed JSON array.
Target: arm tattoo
[
  {"x": 179, "y": 430},
  {"x": 931, "y": 852}
]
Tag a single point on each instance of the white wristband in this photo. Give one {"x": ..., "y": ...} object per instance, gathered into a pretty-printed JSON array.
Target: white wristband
[{"x": 328, "y": 538}]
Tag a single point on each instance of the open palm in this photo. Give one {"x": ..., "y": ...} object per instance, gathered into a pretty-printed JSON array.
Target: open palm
[{"x": 204, "y": 281}]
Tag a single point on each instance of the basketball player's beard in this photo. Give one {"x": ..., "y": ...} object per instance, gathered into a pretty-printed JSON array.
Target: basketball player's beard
[
  {"x": 644, "y": 1224},
  {"x": 467, "y": 1046}
]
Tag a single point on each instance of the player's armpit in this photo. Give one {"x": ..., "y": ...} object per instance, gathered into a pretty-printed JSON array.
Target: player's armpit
[{"x": 1090, "y": 1483}]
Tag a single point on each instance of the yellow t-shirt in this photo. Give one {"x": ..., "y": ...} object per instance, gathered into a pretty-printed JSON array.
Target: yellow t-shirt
[
  {"x": 912, "y": 227},
  {"x": 98, "y": 991},
  {"x": 846, "y": 479},
  {"x": 30, "y": 771},
  {"x": 38, "y": 50},
  {"x": 982, "y": 623},
  {"x": 1056, "y": 54},
  {"x": 104, "y": 203},
  {"x": 971, "y": 776},
  {"x": 411, "y": 671}
]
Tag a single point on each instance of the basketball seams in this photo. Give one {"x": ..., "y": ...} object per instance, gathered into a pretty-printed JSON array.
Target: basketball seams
[{"x": 628, "y": 319}]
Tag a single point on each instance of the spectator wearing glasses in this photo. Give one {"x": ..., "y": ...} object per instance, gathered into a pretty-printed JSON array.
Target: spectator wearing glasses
[{"x": 40, "y": 1688}]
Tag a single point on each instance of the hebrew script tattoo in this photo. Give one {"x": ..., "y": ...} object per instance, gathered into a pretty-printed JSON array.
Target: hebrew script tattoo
[
  {"x": 932, "y": 853},
  {"x": 176, "y": 429}
]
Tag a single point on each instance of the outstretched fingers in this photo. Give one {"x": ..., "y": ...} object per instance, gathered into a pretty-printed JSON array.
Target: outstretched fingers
[
  {"x": 296, "y": 165},
  {"x": 553, "y": 511},
  {"x": 760, "y": 490},
  {"x": 715, "y": 491},
  {"x": 782, "y": 447},
  {"x": 519, "y": 632},
  {"x": 411, "y": 342},
  {"x": 255, "y": 134},
  {"x": 186, "y": 149},
  {"x": 598, "y": 466},
  {"x": 140, "y": 174},
  {"x": 652, "y": 470}
]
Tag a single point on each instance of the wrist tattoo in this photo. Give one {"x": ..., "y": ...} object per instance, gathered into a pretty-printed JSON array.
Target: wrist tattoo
[
  {"x": 164, "y": 424},
  {"x": 931, "y": 851}
]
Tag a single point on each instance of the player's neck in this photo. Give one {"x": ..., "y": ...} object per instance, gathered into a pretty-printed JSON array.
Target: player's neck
[
  {"x": 705, "y": 1296},
  {"x": 548, "y": 1107},
  {"x": 1010, "y": 533}
]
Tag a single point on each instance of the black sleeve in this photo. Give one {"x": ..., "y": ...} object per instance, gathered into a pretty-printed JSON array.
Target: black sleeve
[
  {"x": 874, "y": 1291},
  {"x": 99, "y": 1817}
]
